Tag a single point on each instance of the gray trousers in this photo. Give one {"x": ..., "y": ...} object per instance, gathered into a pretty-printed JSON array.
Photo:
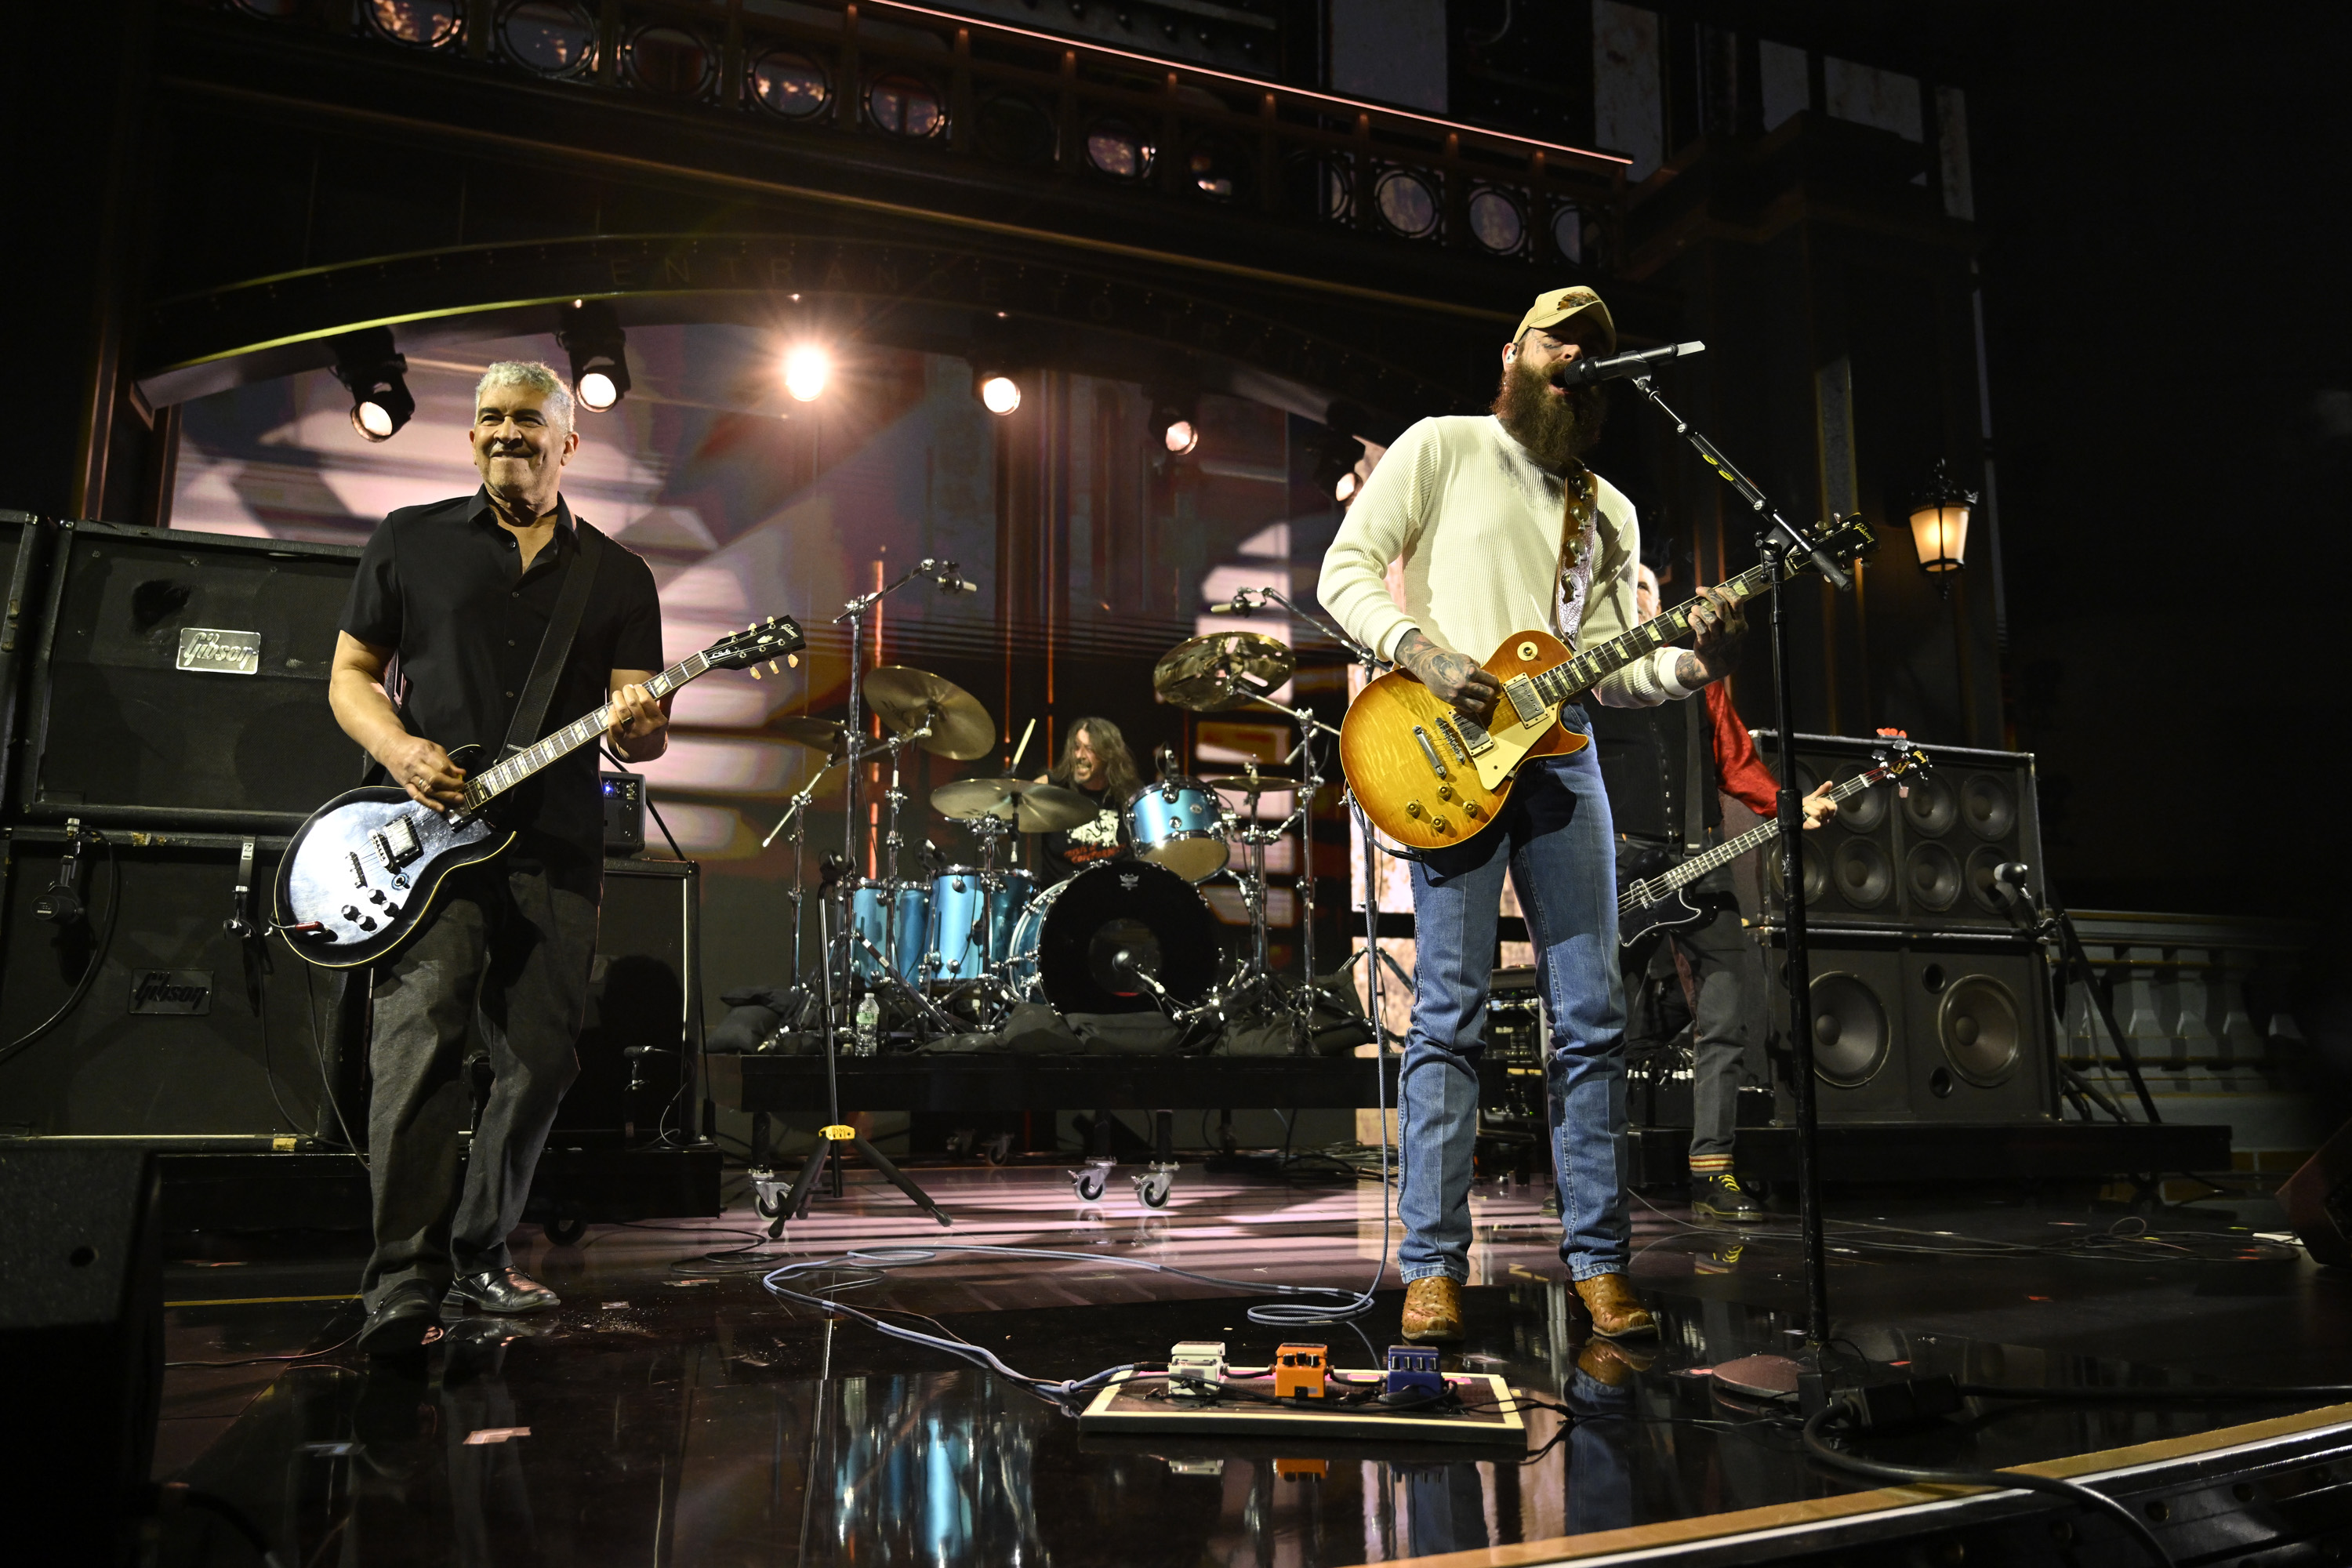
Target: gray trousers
[
  {"x": 504, "y": 957},
  {"x": 1722, "y": 959}
]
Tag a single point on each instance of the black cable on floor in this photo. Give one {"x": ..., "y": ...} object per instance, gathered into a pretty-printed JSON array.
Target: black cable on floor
[{"x": 2001, "y": 1480}]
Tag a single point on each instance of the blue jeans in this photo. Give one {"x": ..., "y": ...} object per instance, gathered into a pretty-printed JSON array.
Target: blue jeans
[{"x": 1555, "y": 839}]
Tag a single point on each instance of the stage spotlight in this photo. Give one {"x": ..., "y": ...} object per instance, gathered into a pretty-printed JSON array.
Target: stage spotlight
[
  {"x": 998, "y": 393},
  {"x": 806, "y": 370},
  {"x": 1180, "y": 437},
  {"x": 1175, "y": 417},
  {"x": 591, "y": 334},
  {"x": 367, "y": 363}
]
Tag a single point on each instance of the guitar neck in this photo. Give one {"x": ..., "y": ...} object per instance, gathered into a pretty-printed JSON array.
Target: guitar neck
[
  {"x": 493, "y": 781},
  {"x": 1563, "y": 682},
  {"x": 1731, "y": 849}
]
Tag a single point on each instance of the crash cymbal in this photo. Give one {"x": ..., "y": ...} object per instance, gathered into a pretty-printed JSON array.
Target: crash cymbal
[
  {"x": 1266, "y": 781},
  {"x": 1221, "y": 670},
  {"x": 902, "y": 695},
  {"x": 816, "y": 734},
  {"x": 1029, "y": 807}
]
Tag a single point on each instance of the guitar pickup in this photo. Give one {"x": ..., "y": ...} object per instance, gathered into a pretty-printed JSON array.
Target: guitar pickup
[
  {"x": 395, "y": 844},
  {"x": 1526, "y": 701}
]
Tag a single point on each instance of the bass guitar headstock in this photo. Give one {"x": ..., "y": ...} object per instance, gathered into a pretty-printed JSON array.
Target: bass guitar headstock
[
  {"x": 761, "y": 642},
  {"x": 1896, "y": 758}
]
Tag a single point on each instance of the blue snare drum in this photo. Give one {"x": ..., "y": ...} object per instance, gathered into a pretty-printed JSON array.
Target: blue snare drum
[
  {"x": 1178, "y": 822},
  {"x": 958, "y": 924},
  {"x": 897, "y": 934}
]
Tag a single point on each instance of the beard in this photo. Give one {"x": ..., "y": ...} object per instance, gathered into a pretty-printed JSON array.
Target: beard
[{"x": 1557, "y": 431}]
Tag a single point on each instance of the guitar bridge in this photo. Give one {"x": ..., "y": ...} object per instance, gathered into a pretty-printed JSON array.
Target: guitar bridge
[{"x": 1453, "y": 742}]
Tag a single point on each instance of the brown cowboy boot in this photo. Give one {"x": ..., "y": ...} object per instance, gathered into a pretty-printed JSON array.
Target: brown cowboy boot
[
  {"x": 1616, "y": 1311},
  {"x": 1611, "y": 1364},
  {"x": 1433, "y": 1309}
]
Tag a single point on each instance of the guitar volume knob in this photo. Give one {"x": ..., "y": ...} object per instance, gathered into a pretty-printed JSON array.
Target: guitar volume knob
[{"x": 1412, "y": 808}]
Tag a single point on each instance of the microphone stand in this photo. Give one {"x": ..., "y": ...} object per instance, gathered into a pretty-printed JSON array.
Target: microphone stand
[{"x": 1777, "y": 541}]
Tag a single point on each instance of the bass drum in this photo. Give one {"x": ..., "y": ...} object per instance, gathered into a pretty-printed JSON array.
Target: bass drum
[{"x": 1080, "y": 944}]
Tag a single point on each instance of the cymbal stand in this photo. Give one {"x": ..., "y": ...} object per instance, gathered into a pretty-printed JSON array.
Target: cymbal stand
[
  {"x": 891, "y": 843},
  {"x": 796, "y": 817}
]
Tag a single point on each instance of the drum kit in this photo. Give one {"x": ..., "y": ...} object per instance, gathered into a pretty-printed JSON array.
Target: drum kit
[{"x": 970, "y": 937}]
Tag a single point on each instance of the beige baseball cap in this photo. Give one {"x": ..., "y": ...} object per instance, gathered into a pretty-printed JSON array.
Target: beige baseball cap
[{"x": 1557, "y": 305}]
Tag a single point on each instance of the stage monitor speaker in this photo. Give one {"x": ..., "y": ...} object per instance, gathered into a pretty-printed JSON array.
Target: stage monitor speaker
[
  {"x": 81, "y": 1333},
  {"x": 644, "y": 997},
  {"x": 1920, "y": 1028},
  {"x": 182, "y": 681},
  {"x": 1921, "y": 860},
  {"x": 167, "y": 1040}
]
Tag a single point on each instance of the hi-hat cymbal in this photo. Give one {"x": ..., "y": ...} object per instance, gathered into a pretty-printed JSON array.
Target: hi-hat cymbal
[
  {"x": 1221, "y": 670},
  {"x": 903, "y": 695},
  {"x": 816, "y": 734},
  {"x": 1029, "y": 807},
  {"x": 1266, "y": 781}
]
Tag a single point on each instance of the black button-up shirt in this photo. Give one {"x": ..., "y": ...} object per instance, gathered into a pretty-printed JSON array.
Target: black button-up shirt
[{"x": 444, "y": 586}]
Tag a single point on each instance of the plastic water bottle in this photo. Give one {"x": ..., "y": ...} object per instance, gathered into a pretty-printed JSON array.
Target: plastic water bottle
[{"x": 869, "y": 1025}]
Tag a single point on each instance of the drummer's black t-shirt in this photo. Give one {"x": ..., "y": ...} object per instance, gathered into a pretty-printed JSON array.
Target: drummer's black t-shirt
[{"x": 1068, "y": 852}]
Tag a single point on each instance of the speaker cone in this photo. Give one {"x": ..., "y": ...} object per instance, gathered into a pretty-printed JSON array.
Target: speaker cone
[
  {"x": 1988, "y": 806},
  {"x": 1817, "y": 874},
  {"x": 1850, "y": 1034},
  {"x": 1865, "y": 812},
  {"x": 1865, "y": 880},
  {"x": 1930, "y": 808},
  {"x": 1983, "y": 863},
  {"x": 1934, "y": 874},
  {"x": 1977, "y": 1024}
]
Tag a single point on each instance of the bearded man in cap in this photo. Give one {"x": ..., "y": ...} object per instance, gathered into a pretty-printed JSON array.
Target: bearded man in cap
[{"x": 1498, "y": 527}]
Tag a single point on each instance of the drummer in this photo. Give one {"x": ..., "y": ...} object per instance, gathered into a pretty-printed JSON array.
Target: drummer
[{"x": 1096, "y": 764}]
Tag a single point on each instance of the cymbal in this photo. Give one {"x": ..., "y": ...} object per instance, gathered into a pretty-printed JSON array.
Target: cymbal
[
  {"x": 1267, "y": 781},
  {"x": 816, "y": 734},
  {"x": 1221, "y": 670},
  {"x": 902, "y": 694},
  {"x": 1029, "y": 807}
]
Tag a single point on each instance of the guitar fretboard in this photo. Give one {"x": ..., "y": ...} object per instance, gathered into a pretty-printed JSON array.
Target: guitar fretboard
[
  {"x": 1651, "y": 891},
  {"x": 495, "y": 780},
  {"x": 1562, "y": 682}
]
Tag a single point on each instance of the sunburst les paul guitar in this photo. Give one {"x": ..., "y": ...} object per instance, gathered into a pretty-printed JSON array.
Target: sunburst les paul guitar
[
  {"x": 1660, "y": 902},
  {"x": 1429, "y": 776},
  {"x": 361, "y": 874}
]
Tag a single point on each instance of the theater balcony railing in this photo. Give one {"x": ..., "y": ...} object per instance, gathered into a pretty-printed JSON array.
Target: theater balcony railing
[{"x": 1001, "y": 109}]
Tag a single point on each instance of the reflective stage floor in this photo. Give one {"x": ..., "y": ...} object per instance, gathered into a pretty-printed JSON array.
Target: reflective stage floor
[{"x": 673, "y": 1412}]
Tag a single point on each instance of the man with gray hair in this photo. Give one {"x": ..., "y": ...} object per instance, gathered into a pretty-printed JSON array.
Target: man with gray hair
[{"x": 441, "y": 635}]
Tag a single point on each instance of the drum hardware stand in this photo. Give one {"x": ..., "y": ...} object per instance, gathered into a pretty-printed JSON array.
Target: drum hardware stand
[
  {"x": 1777, "y": 539},
  {"x": 796, "y": 815}
]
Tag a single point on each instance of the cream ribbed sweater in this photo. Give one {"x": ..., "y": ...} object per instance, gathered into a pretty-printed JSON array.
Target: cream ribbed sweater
[{"x": 1476, "y": 522}]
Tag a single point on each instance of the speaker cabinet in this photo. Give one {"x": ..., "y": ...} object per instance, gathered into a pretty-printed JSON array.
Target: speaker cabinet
[
  {"x": 1921, "y": 858},
  {"x": 81, "y": 1333},
  {"x": 1915, "y": 1029},
  {"x": 643, "y": 995},
  {"x": 25, "y": 548},
  {"x": 180, "y": 1033},
  {"x": 182, "y": 681}
]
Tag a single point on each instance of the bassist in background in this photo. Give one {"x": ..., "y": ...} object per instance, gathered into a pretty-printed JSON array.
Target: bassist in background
[
  {"x": 1496, "y": 524},
  {"x": 1666, "y": 768},
  {"x": 461, "y": 592}
]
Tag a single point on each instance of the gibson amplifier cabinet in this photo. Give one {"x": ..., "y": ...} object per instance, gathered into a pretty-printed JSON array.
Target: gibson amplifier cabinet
[
  {"x": 180, "y": 681},
  {"x": 1922, "y": 858}
]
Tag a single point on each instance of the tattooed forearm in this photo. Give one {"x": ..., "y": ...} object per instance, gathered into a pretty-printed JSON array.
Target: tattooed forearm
[
  {"x": 1454, "y": 678},
  {"x": 1691, "y": 671}
]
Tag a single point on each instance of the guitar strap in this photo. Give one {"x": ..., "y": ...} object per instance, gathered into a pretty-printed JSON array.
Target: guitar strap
[
  {"x": 555, "y": 646},
  {"x": 1698, "y": 725}
]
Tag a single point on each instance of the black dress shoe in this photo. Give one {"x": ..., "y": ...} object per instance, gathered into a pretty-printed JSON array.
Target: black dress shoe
[
  {"x": 1720, "y": 1198},
  {"x": 403, "y": 1320},
  {"x": 499, "y": 1290}
]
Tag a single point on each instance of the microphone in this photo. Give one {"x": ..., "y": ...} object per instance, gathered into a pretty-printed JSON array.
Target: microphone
[
  {"x": 950, "y": 582},
  {"x": 1585, "y": 372},
  {"x": 2009, "y": 879},
  {"x": 1240, "y": 604}
]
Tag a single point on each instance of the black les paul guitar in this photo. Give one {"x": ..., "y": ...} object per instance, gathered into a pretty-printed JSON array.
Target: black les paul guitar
[
  {"x": 1660, "y": 903},
  {"x": 363, "y": 872}
]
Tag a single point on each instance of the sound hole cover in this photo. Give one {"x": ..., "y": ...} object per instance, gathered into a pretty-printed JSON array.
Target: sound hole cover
[
  {"x": 1934, "y": 873},
  {"x": 1865, "y": 880},
  {"x": 1865, "y": 812},
  {"x": 1977, "y": 1024},
  {"x": 1988, "y": 804},
  {"x": 1850, "y": 1033},
  {"x": 1931, "y": 809}
]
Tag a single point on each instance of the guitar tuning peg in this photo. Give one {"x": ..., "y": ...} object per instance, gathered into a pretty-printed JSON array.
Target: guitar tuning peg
[
  {"x": 772, "y": 670},
  {"x": 792, "y": 661},
  {"x": 755, "y": 673}
]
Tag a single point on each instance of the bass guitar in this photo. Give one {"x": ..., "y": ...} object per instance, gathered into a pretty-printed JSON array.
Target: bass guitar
[
  {"x": 361, "y": 873},
  {"x": 1428, "y": 776},
  {"x": 1659, "y": 903}
]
